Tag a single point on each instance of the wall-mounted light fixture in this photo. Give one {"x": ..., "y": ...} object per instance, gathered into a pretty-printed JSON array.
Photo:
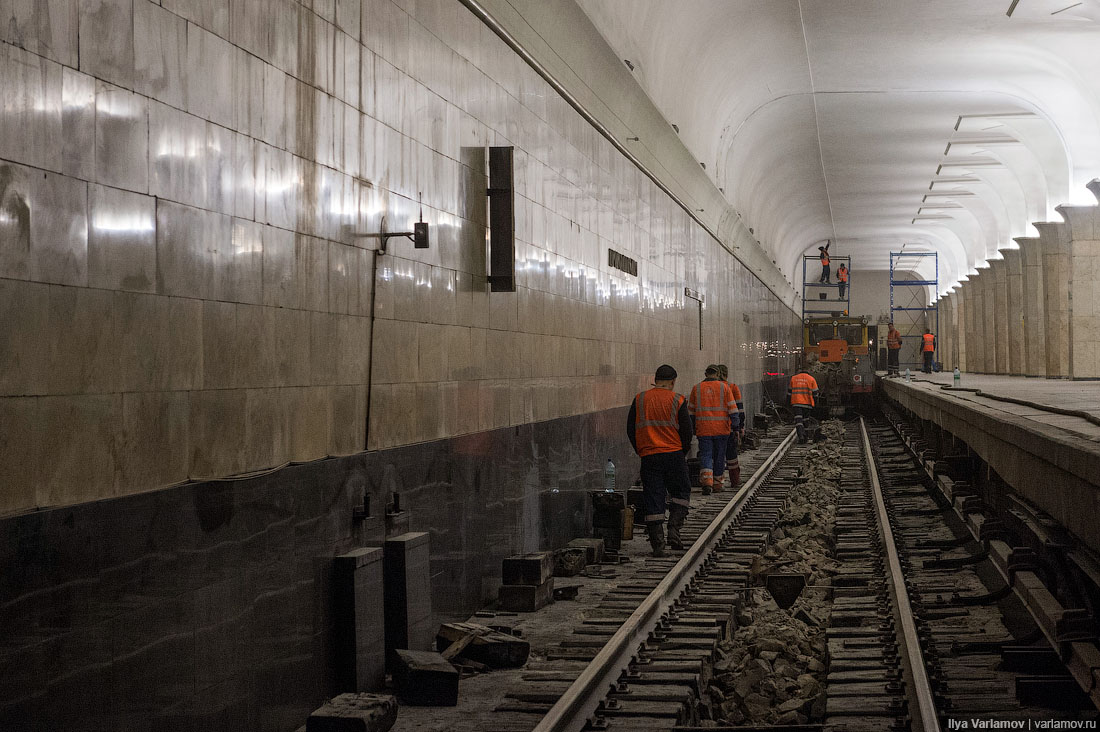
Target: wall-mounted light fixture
[{"x": 418, "y": 236}]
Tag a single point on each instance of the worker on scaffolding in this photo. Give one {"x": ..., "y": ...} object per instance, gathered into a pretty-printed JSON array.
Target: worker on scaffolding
[
  {"x": 842, "y": 279},
  {"x": 823, "y": 257}
]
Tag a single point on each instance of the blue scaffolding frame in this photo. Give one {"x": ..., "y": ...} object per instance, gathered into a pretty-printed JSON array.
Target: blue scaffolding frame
[
  {"x": 911, "y": 314},
  {"x": 827, "y": 288}
]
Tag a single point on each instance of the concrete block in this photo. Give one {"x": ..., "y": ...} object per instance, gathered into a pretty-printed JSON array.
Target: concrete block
[
  {"x": 408, "y": 596},
  {"x": 354, "y": 713},
  {"x": 528, "y": 569},
  {"x": 425, "y": 678},
  {"x": 594, "y": 548},
  {"x": 360, "y": 637},
  {"x": 526, "y": 598}
]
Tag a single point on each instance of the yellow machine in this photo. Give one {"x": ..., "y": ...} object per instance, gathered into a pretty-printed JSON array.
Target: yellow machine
[{"x": 836, "y": 353}]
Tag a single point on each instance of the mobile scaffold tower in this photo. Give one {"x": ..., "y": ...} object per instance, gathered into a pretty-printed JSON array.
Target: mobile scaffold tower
[
  {"x": 822, "y": 299},
  {"x": 909, "y": 308}
]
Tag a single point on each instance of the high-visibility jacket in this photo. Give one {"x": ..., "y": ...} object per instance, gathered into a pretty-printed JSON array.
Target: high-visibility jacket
[
  {"x": 802, "y": 390},
  {"x": 740, "y": 405},
  {"x": 842, "y": 275},
  {"x": 893, "y": 339},
  {"x": 656, "y": 423},
  {"x": 824, "y": 259},
  {"x": 711, "y": 404},
  {"x": 929, "y": 342}
]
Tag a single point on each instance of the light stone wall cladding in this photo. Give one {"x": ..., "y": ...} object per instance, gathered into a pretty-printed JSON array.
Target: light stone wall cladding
[
  {"x": 1083, "y": 223},
  {"x": 181, "y": 291},
  {"x": 1031, "y": 254},
  {"x": 999, "y": 311},
  {"x": 1054, "y": 241},
  {"x": 1015, "y": 316}
]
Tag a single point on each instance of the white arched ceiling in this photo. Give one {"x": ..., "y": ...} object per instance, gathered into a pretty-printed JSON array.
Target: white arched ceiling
[{"x": 939, "y": 124}]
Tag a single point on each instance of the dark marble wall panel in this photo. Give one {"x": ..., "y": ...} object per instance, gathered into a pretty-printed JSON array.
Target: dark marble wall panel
[{"x": 209, "y": 605}]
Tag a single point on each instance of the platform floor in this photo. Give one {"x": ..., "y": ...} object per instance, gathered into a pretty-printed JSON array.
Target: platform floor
[{"x": 1081, "y": 396}]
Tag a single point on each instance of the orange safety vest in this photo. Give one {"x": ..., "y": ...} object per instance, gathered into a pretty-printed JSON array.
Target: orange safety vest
[
  {"x": 842, "y": 274},
  {"x": 824, "y": 260},
  {"x": 893, "y": 340},
  {"x": 656, "y": 423},
  {"x": 710, "y": 403},
  {"x": 802, "y": 390},
  {"x": 929, "y": 342}
]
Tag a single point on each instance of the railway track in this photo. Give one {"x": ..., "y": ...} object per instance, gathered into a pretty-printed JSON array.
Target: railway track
[{"x": 912, "y": 638}]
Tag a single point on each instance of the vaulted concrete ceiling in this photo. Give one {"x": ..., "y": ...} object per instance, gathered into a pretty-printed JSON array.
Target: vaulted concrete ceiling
[{"x": 936, "y": 125}]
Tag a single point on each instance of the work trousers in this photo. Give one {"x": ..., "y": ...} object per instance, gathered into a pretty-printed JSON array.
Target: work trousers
[
  {"x": 825, "y": 273},
  {"x": 801, "y": 412},
  {"x": 842, "y": 286},
  {"x": 732, "y": 445},
  {"x": 712, "y": 456},
  {"x": 664, "y": 479},
  {"x": 927, "y": 362},
  {"x": 892, "y": 360}
]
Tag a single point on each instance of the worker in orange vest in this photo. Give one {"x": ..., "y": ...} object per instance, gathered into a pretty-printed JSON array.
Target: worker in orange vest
[
  {"x": 823, "y": 257},
  {"x": 893, "y": 347},
  {"x": 713, "y": 412},
  {"x": 659, "y": 429},
  {"x": 803, "y": 393},
  {"x": 733, "y": 463},
  {"x": 842, "y": 279},
  {"x": 928, "y": 349}
]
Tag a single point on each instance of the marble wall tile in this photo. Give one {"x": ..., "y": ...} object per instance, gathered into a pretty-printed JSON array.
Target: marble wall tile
[
  {"x": 349, "y": 413},
  {"x": 43, "y": 226},
  {"x": 155, "y": 440},
  {"x": 77, "y": 124},
  {"x": 187, "y": 241},
  {"x": 122, "y": 245},
  {"x": 160, "y": 53},
  {"x": 280, "y": 268},
  {"x": 45, "y": 27},
  {"x": 24, "y": 340},
  {"x": 396, "y": 358},
  {"x": 106, "y": 40},
  {"x": 268, "y": 29},
  {"x": 80, "y": 437},
  {"x": 121, "y": 138},
  {"x": 311, "y": 423},
  {"x": 84, "y": 355},
  {"x": 217, "y": 423},
  {"x": 213, "y": 15},
  {"x": 19, "y": 449},
  {"x": 159, "y": 342}
]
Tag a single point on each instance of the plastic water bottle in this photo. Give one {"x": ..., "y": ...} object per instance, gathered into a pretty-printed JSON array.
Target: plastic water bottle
[
  {"x": 908, "y": 378},
  {"x": 957, "y": 378},
  {"x": 609, "y": 477}
]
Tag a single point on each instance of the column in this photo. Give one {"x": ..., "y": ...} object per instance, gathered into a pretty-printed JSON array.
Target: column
[
  {"x": 961, "y": 306},
  {"x": 983, "y": 321},
  {"x": 1054, "y": 242},
  {"x": 943, "y": 334},
  {"x": 973, "y": 308},
  {"x": 1084, "y": 286},
  {"x": 948, "y": 351},
  {"x": 1034, "y": 301},
  {"x": 1015, "y": 293},
  {"x": 999, "y": 311}
]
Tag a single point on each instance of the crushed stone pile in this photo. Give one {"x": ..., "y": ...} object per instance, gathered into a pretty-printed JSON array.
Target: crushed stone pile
[{"x": 772, "y": 670}]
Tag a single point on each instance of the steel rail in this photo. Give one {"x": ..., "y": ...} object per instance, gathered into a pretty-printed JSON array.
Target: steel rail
[
  {"x": 914, "y": 660},
  {"x": 581, "y": 700}
]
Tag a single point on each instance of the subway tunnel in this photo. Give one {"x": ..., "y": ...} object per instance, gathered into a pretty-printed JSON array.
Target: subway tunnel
[{"x": 281, "y": 280}]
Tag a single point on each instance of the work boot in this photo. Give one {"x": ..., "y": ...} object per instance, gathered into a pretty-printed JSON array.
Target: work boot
[
  {"x": 734, "y": 468},
  {"x": 656, "y": 532},
  {"x": 676, "y": 516}
]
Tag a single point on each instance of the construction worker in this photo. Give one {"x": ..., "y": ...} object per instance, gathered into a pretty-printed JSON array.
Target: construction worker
[
  {"x": 842, "y": 279},
  {"x": 713, "y": 412},
  {"x": 928, "y": 350},
  {"x": 659, "y": 429},
  {"x": 733, "y": 463},
  {"x": 823, "y": 257},
  {"x": 893, "y": 348},
  {"x": 803, "y": 392}
]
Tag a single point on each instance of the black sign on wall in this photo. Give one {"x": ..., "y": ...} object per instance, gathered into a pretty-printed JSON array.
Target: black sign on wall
[{"x": 623, "y": 262}]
